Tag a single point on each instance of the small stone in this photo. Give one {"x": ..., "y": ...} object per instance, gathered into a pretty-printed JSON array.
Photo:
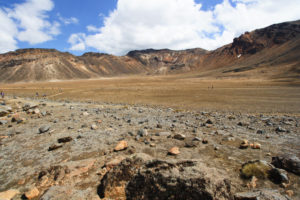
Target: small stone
[
  {"x": 210, "y": 121},
  {"x": 94, "y": 127},
  {"x": 44, "y": 129},
  {"x": 36, "y": 111},
  {"x": 197, "y": 139},
  {"x": 9, "y": 194},
  {"x": 290, "y": 193},
  {"x": 252, "y": 183},
  {"x": 54, "y": 147},
  {"x": 142, "y": 132},
  {"x": 244, "y": 144},
  {"x": 260, "y": 132},
  {"x": 152, "y": 144},
  {"x": 34, "y": 192},
  {"x": 174, "y": 151},
  {"x": 122, "y": 145},
  {"x": 21, "y": 181},
  {"x": 255, "y": 145},
  {"x": 179, "y": 137},
  {"x": 280, "y": 129},
  {"x": 158, "y": 126},
  {"x": 64, "y": 140},
  {"x": 85, "y": 114},
  {"x": 204, "y": 141},
  {"x": 190, "y": 143}
]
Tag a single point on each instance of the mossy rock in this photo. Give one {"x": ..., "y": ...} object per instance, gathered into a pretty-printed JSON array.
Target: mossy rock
[{"x": 259, "y": 169}]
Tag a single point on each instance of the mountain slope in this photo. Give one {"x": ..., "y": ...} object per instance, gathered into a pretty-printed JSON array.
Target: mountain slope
[{"x": 269, "y": 52}]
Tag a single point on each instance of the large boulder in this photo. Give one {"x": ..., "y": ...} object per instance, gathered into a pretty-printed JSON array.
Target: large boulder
[
  {"x": 290, "y": 163},
  {"x": 134, "y": 178}
]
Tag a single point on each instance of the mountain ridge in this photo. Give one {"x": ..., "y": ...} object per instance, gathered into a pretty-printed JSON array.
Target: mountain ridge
[{"x": 249, "y": 51}]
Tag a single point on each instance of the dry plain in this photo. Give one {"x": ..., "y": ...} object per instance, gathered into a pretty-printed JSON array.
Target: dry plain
[{"x": 181, "y": 92}]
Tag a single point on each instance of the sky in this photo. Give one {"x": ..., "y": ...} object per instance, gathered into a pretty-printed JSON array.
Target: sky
[{"x": 118, "y": 26}]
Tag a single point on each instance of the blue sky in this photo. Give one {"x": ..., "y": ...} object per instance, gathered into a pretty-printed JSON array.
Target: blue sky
[{"x": 118, "y": 26}]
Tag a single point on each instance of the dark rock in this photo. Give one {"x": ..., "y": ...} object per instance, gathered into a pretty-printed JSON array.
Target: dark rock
[
  {"x": 278, "y": 176},
  {"x": 28, "y": 106},
  {"x": 280, "y": 129},
  {"x": 54, "y": 147},
  {"x": 243, "y": 124},
  {"x": 210, "y": 121},
  {"x": 158, "y": 126},
  {"x": 64, "y": 140},
  {"x": 260, "y": 132},
  {"x": 290, "y": 163},
  {"x": 157, "y": 179}
]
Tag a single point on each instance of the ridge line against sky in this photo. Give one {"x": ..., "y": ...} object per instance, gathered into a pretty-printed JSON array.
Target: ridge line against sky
[{"x": 118, "y": 26}]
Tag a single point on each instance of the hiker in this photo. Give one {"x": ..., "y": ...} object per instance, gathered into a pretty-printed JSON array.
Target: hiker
[
  {"x": 37, "y": 94},
  {"x": 2, "y": 94}
]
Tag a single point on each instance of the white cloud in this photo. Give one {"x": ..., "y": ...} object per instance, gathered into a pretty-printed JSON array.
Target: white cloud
[
  {"x": 28, "y": 22},
  {"x": 67, "y": 21},
  {"x": 32, "y": 21},
  {"x": 92, "y": 28},
  {"x": 8, "y": 31},
  {"x": 77, "y": 42},
  {"x": 181, "y": 24}
]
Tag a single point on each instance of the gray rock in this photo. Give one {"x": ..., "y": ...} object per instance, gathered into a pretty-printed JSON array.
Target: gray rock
[
  {"x": 264, "y": 194},
  {"x": 290, "y": 163},
  {"x": 3, "y": 122},
  {"x": 179, "y": 137},
  {"x": 142, "y": 132},
  {"x": 279, "y": 129},
  {"x": 44, "y": 129}
]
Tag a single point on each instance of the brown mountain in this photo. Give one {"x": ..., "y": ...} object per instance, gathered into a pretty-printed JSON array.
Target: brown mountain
[{"x": 269, "y": 52}]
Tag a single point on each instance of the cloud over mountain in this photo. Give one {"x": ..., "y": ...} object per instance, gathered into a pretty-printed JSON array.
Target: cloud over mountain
[{"x": 181, "y": 24}]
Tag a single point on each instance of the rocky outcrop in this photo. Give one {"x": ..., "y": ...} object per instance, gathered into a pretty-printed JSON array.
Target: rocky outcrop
[{"x": 134, "y": 178}]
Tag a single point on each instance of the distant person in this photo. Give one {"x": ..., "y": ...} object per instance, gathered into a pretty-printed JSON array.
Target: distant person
[
  {"x": 37, "y": 94},
  {"x": 2, "y": 94}
]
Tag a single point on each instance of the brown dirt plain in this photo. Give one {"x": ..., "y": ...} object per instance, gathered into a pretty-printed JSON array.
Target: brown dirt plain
[{"x": 184, "y": 92}]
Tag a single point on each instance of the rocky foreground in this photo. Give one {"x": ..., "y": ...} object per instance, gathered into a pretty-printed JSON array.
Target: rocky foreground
[{"x": 73, "y": 150}]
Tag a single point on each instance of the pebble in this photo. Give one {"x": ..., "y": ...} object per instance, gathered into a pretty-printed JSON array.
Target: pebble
[
  {"x": 174, "y": 151},
  {"x": 142, "y": 132},
  {"x": 44, "y": 129},
  {"x": 122, "y": 145},
  {"x": 94, "y": 127},
  {"x": 244, "y": 144},
  {"x": 54, "y": 147},
  {"x": 179, "y": 136},
  {"x": 34, "y": 192}
]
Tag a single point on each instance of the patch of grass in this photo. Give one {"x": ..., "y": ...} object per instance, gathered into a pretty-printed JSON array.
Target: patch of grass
[{"x": 257, "y": 168}]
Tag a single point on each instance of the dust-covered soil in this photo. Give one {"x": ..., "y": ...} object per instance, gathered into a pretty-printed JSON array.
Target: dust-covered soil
[{"x": 68, "y": 149}]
